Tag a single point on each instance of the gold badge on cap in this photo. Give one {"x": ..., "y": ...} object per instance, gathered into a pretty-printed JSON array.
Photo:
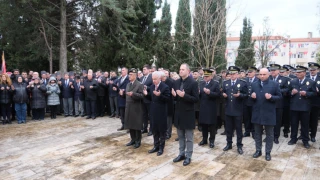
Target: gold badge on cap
[
  {"x": 307, "y": 83},
  {"x": 238, "y": 85}
]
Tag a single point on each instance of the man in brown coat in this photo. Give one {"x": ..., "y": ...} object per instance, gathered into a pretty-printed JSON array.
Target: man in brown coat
[{"x": 133, "y": 113}]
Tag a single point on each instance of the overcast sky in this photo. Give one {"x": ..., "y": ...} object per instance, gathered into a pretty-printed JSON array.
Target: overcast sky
[{"x": 286, "y": 17}]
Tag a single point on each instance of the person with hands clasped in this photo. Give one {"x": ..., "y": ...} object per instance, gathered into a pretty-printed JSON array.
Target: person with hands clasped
[
  {"x": 5, "y": 98},
  {"x": 265, "y": 94},
  {"x": 234, "y": 91},
  {"x": 38, "y": 99},
  {"x": 20, "y": 98},
  {"x": 186, "y": 93},
  {"x": 302, "y": 90},
  {"x": 53, "y": 91}
]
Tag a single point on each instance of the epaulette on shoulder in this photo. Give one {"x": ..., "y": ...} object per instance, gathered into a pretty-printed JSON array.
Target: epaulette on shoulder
[
  {"x": 216, "y": 81},
  {"x": 225, "y": 80},
  {"x": 287, "y": 77},
  {"x": 243, "y": 80}
]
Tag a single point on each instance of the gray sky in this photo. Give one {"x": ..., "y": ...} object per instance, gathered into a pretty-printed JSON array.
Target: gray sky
[{"x": 286, "y": 17}]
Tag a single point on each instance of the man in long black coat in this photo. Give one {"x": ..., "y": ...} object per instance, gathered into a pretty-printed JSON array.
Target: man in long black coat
[
  {"x": 265, "y": 94},
  {"x": 186, "y": 92},
  {"x": 209, "y": 94},
  {"x": 160, "y": 94}
]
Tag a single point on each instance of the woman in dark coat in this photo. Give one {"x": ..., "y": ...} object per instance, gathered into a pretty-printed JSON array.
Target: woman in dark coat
[
  {"x": 5, "y": 98},
  {"x": 209, "y": 94},
  {"x": 38, "y": 100}
]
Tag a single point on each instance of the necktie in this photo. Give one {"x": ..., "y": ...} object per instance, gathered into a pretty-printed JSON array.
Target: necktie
[
  {"x": 250, "y": 80},
  {"x": 274, "y": 79},
  {"x": 261, "y": 83},
  {"x": 313, "y": 78},
  {"x": 181, "y": 86},
  {"x": 232, "y": 83},
  {"x": 157, "y": 87},
  {"x": 121, "y": 80},
  {"x": 144, "y": 79},
  {"x": 300, "y": 82},
  {"x": 207, "y": 83}
]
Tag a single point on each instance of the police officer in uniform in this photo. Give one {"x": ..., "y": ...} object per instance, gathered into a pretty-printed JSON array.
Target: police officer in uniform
[
  {"x": 209, "y": 94},
  {"x": 247, "y": 112},
  {"x": 283, "y": 84},
  {"x": 302, "y": 90},
  {"x": 315, "y": 102},
  {"x": 234, "y": 91}
]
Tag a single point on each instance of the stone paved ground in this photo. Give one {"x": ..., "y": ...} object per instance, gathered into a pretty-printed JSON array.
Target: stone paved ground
[{"x": 74, "y": 148}]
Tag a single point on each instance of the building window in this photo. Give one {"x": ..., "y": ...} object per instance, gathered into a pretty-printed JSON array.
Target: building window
[{"x": 313, "y": 54}]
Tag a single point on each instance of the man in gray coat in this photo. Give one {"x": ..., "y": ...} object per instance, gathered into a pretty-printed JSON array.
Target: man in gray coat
[{"x": 133, "y": 119}]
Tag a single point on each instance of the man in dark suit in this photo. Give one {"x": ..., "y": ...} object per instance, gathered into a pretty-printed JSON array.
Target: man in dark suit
[
  {"x": 120, "y": 85},
  {"x": 67, "y": 95},
  {"x": 101, "y": 102},
  {"x": 265, "y": 94},
  {"x": 234, "y": 91},
  {"x": 186, "y": 92},
  {"x": 146, "y": 80},
  {"x": 78, "y": 97},
  {"x": 283, "y": 85},
  {"x": 170, "y": 83},
  {"x": 159, "y": 93},
  {"x": 315, "y": 102},
  {"x": 284, "y": 71},
  {"x": 90, "y": 86},
  {"x": 247, "y": 112},
  {"x": 302, "y": 90},
  {"x": 209, "y": 94}
]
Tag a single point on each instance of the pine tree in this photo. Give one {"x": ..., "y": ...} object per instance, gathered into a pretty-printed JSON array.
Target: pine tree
[
  {"x": 164, "y": 48},
  {"x": 245, "y": 56},
  {"x": 182, "y": 34}
]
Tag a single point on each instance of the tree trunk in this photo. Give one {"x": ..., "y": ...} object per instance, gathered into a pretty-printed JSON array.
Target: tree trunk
[
  {"x": 63, "y": 37},
  {"x": 50, "y": 59}
]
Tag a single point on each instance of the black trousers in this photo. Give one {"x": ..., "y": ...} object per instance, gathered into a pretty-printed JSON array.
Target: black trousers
[
  {"x": 303, "y": 117},
  {"x": 146, "y": 111},
  {"x": 13, "y": 112},
  {"x": 29, "y": 108},
  {"x": 53, "y": 111},
  {"x": 209, "y": 128},
  {"x": 101, "y": 103},
  {"x": 91, "y": 108},
  {"x": 135, "y": 135},
  {"x": 159, "y": 139},
  {"x": 38, "y": 114},
  {"x": 6, "y": 111},
  {"x": 286, "y": 119},
  {"x": 122, "y": 113},
  {"x": 247, "y": 115},
  {"x": 313, "y": 124},
  {"x": 277, "y": 127},
  {"x": 231, "y": 123}
]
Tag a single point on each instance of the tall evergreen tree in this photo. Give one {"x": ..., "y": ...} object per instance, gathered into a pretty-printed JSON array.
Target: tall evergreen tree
[
  {"x": 164, "y": 48},
  {"x": 245, "y": 56},
  {"x": 182, "y": 35}
]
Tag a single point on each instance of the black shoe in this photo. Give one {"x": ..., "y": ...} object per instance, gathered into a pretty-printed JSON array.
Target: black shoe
[
  {"x": 130, "y": 143},
  {"x": 285, "y": 135},
  {"x": 137, "y": 145},
  {"x": 203, "y": 142},
  {"x": 240, "y": 151},
  {"x": 268, "y": 156},
  {"x": 211, "y": 145},
  {"x": 120, "y": 129},
  {"x": 168, "y": 137},
  {"x": 276, "y": 140},
  {"x": 76, "y": 115},
  {"x": 187, "y": 161},
  {"x": 179, "y": 158},
  {"x": 177, "y": 139},
  {"x": 229, "y": 146},
  {"x": 313, "y": 139},
  {"x": 66, "y": 115},
  {"x": 144, "y": 131},
  {"x": 300, "y": 137},
  {"x": 88, "y": 117},
  {"x": 93, "y": 117},
  {"x": 246, "y": 134},
  {"x": 160, "y": 152},
  {"x": 83, "y": 115},
  {"x": 112, "y": 115},
  {"x": 257, "y": 154},
  {"x": 306, "y": 145},
  {"x": 292, "y": 142},
  {"x": 149, "y": 133},
  {"x": 223, "y": 133},
  {"x": 153, "y": 150}
]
